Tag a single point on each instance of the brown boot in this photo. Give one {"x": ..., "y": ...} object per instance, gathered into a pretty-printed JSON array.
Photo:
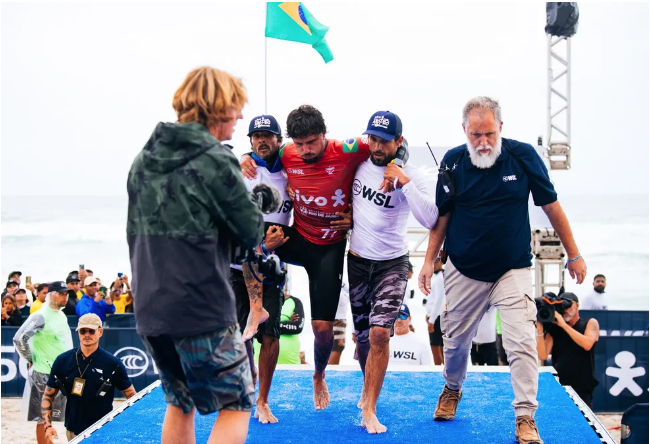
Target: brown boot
[
  {"x": 526, "y": 431},
  {"x": 447, "y": 403}
]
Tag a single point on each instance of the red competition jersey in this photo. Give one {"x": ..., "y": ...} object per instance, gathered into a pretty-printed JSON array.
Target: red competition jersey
[{"x": 323, "y": 188}]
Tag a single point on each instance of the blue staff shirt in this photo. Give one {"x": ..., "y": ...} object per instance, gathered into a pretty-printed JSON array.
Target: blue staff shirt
[{"x": 489, "y": 230}]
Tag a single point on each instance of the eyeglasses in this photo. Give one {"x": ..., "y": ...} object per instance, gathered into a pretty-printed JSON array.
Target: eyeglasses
[
  {"x": 83, "y": 331},
  {"x": 403, "y": 316}
]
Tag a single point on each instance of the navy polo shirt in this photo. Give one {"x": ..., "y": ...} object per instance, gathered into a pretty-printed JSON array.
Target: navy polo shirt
[
  {"x": 83, "y": 411},
  {"x": 489, "y": 230}
]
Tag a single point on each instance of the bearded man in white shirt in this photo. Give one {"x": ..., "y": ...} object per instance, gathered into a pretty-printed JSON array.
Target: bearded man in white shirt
[{"x": 378, "y": 257}]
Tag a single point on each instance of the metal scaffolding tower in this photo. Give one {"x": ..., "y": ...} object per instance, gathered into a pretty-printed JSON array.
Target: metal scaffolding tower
[{"x": 559, "y": 102}]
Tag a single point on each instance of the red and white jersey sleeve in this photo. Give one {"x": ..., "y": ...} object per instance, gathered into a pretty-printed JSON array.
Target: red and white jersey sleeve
[{"x": 323, "y": 188}]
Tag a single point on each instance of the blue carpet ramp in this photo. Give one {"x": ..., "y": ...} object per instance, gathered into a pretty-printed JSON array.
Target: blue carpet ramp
[{"x": 406, "y": 405}]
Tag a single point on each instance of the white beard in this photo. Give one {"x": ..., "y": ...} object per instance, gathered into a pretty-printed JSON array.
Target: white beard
[{"x": 484, "y": 161}]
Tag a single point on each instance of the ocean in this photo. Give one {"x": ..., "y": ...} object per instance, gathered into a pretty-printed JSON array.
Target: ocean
[{"x": 46, "y": 237}]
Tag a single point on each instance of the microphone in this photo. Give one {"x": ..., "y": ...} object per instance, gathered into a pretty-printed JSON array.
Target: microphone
[{"x": 268, "y": 198}]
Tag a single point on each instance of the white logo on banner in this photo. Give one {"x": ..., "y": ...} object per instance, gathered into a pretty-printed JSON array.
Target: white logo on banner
[
  {"x": 134, "y": 359},
  {"x": 625, "y": 374}
]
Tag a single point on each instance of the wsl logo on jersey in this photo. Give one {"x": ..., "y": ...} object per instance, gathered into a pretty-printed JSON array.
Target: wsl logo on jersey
[
  {"x": 262, "y": 122},
  {"x": 379, "y": 199},
  {"x": 380, "y": 122}
]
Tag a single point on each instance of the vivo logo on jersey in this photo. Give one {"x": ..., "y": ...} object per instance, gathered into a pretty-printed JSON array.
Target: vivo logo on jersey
[
  {"x": 285, "y": 207},
  {"x": 373, "y": 196},
  {"x": 338, "y": 198},
  {"x": 295, "y": 171}
]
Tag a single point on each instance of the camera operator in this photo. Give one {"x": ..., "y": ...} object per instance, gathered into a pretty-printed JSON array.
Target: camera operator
[
  {"x": 87, "y": 376},
  {"x": 188, "y": 209},
  {"x": 572, "y": 342},
  {"x": 260, "y": 306}
]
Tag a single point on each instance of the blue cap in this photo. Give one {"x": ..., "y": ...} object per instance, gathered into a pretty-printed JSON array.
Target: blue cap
[
  {"x": 385, "y": 124},
  {"x": 404, "y": 309},
  {"x": 264, "y": 123}
]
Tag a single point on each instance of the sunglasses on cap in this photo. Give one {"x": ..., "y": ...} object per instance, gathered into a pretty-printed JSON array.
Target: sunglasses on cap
[
  {"x": 403, "y": 316},
  {"x": 83, "y": 331}
]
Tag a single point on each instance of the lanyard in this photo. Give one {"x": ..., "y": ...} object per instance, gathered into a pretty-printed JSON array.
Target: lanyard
[{"x": 81, "y": 375}]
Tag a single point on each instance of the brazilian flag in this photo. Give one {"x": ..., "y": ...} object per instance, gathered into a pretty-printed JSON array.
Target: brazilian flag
[{"x": 292, "y": 21}]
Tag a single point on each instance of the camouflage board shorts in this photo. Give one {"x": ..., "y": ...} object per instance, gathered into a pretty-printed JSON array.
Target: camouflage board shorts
[
  {"x": 376, "y": 292},
  {"x": 208, "y": 371}
]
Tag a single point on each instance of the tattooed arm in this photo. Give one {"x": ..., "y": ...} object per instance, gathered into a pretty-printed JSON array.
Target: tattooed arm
[
  {"x": 32, "y": 325},
  {"x": 129, "y": 392},
  {"x": 46, "y": 412}
]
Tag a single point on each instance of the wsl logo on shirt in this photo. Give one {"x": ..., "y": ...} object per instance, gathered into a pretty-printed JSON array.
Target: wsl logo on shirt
[
  {"x": 509, "y": 178},
  {"x": 379, "y": 199},
  {"x": 262, "y": 122},
  {"x": 380, "y": 122}
]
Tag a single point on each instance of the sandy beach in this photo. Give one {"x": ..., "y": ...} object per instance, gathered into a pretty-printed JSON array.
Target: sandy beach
[{"x": 15, "y": 430}]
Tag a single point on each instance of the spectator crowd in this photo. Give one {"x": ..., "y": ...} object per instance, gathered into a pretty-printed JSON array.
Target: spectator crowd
[{"x": 86, "y": 294}]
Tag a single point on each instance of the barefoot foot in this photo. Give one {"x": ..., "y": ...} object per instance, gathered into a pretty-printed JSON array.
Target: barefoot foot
[
  {"x": 255, "y": 318},
  {"x": 372, "y": 424},
  {"x": 263, "y": 413},
  {"x": 321, "y": 395}
]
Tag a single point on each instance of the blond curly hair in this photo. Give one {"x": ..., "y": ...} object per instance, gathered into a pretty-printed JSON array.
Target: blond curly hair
[{"x": 206, "y": 96}]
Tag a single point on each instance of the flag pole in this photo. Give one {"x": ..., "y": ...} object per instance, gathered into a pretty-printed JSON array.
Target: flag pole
[{"x": 265, "y": 69}]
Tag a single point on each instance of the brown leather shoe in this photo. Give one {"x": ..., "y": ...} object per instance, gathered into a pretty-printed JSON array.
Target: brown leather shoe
[
  {"x": 447, "y": 403},
  {"x": 526, "y": 431}
]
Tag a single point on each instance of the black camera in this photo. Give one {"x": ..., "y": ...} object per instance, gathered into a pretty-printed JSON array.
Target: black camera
[
  {"x": 548, "y": 304},
  {"x": 268, "y": 200}
]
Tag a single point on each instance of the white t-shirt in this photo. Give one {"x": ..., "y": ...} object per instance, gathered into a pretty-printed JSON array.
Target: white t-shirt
[
  {"x": 436, "y": 298},
  {"x": 487, "y": 328},
  {"x": 279, "y": 181},
  {"x": 344, "y": 301},
  {"x": 408, "y": 349},
  {"x": 380, "y": 220},
  {"x": 593, "y": 301}
]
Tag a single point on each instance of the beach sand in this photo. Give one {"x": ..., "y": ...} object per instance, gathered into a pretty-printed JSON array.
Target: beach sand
[{"x": 16, "y": 430}]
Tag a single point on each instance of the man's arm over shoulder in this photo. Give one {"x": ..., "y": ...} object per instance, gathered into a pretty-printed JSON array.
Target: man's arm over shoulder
[
  {"x": 32, "y": 325},
  {"x": 420, "y": 201},
  {"x": 230, "y": 203}
]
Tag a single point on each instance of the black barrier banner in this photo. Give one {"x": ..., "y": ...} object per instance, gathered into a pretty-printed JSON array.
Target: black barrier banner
[
  {"x": 124, "y": 343},
  {"x": 621, "y": 366},
  {"x": 622, "y": 369},
  {"x": 619, "y": 322}
]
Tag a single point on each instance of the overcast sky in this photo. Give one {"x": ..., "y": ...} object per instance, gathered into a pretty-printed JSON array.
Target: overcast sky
[{"x": 83, "y": 85}]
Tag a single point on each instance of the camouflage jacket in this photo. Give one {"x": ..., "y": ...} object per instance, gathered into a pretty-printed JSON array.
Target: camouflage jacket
[{"x": 188, "y": 207}]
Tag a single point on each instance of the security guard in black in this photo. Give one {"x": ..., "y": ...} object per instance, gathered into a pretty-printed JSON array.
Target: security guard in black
[{"x": 87, "y": 376}]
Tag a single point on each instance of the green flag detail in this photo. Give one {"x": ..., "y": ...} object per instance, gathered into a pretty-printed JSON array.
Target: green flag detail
[{"x": 292, "y": 21}]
